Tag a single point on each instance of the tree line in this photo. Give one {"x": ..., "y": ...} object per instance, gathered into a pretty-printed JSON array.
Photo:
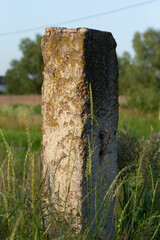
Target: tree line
[
  {"x": 139, "y": 76},
  {"x": 25, "y": 75}
]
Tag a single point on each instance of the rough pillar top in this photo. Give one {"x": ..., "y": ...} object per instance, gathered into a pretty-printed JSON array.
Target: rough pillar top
[{"x": 73, "y": 30}]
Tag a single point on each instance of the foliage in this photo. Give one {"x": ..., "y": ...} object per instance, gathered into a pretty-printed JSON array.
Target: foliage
[
  {"x": 128, "y": 148},
  {"x": 140, "y": 75},
  {"x": 151, "y": 156},
  {"x": 25, "y": 204},
  {"x": 138, "y": 207},
  {"x": 131, "y": 151},
  {"x": 138, "y": 204},
  {"x": 25, "y": 75},
  {"x": 26, "y": 210}
]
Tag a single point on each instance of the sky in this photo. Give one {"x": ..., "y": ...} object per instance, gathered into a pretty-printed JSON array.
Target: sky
[{"x": 20, "y": 19}]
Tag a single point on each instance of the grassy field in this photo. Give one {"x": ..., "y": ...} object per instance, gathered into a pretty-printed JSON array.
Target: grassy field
[
  {"x": 139, "y": 123},
  {"x": 13, "y": 118},
  {"x": 22, "y": 201}
]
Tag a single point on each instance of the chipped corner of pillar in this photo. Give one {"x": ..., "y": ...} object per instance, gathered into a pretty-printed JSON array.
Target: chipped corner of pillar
[{"x": 74, "y": 59}]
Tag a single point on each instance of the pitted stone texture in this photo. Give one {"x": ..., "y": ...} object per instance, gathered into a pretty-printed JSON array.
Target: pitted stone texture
[{"x": 73, "y": 59}]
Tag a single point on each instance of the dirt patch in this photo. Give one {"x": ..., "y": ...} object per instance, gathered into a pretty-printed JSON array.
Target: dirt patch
[{"x": 20, "y": 99}]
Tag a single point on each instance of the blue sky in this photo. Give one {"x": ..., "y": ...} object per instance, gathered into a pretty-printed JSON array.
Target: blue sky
[{"x": 19, "y": 15}]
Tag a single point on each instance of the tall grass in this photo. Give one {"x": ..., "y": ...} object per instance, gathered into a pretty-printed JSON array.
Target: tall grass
[
  {"x": 27, "y": 212},
  {"x": 138, "y": 215},
  {"x": 25, "y": 204},
  {"x": 21, "y": 200},
  {"x": 138, "y": 202}
]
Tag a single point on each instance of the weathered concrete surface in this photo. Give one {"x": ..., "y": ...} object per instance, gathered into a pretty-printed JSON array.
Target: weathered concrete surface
[{"x": 73, "y": 59}]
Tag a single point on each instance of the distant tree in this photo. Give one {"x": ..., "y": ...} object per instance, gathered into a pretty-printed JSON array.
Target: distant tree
[
  {"x": 125, "y": 65},
  {"x": 140, "y": 75},
  {"x": 25, "y": 75}
]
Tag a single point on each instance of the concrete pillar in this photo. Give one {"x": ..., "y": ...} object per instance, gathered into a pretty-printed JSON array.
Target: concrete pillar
[{"x": 74, "y": 59}]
